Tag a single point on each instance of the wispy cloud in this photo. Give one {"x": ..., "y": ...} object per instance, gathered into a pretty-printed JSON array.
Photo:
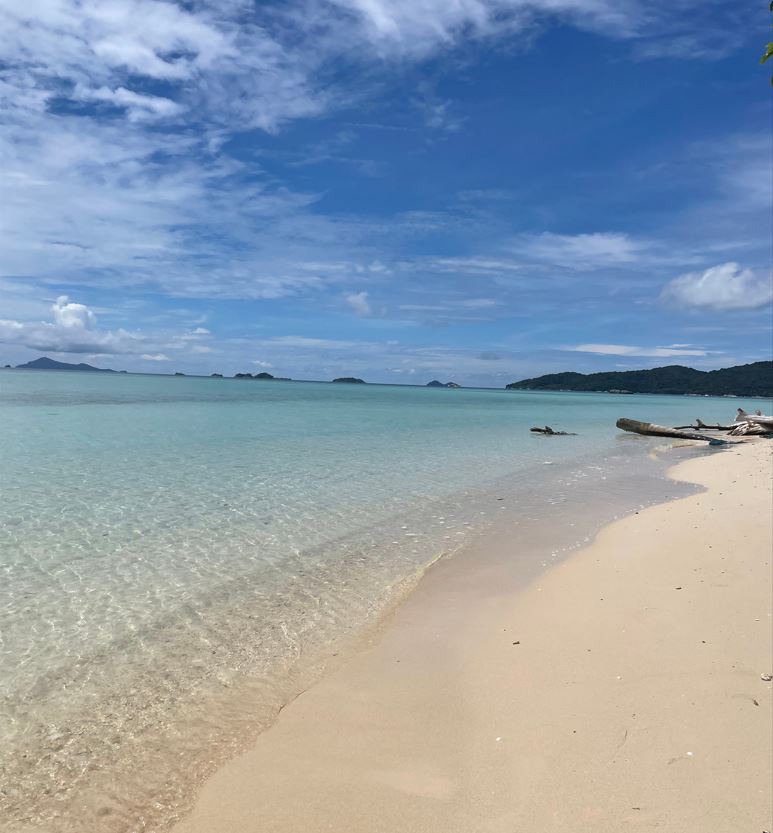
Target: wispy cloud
[
  {"x": 630, "y": 350},
  {"x": 266, "y": 65},
  {"x": 581, "y": 251},
  {"x": 139, "y": 107},
  {"x": 313, "y": 343}
]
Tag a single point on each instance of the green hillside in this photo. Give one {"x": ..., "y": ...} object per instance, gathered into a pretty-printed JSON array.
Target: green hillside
[{"x": 745, "y": 380}]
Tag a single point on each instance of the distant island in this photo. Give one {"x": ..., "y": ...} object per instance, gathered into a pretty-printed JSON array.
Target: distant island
[
  {"x": 44, "y": 363},
  {"x": 350, "y": 380},
  {"x": 262, "y": 376},
  {"x": 435, "y": 384},
  {"x": 744, "y": 380}
]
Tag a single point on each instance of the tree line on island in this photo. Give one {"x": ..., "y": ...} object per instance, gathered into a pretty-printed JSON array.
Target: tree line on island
[{"x": 754, "y": 379}]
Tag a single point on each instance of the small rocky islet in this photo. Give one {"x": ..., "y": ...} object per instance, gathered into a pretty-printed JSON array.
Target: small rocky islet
[{"x": 436, "y": 384}]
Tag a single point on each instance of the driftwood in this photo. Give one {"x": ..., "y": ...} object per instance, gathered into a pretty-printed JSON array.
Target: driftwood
[
  {"x": 549, "y": 432},
  {"x": 745, "y": 425},
  {"x": 700, "y": 425},
  {"x": 751, "y": 424},
  {"x": 650, "y": 429},
  {"x": 756, "y": 418},
  {"x": 751, "y": 429}
]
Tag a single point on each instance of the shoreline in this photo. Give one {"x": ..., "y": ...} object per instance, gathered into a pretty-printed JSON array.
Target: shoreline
[
  {"x": 148, "y": 769},
  {"x": 475, "y": 706}
]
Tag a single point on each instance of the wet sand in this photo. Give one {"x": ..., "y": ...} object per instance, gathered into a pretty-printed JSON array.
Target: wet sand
[{"x": 618, "y": 690}]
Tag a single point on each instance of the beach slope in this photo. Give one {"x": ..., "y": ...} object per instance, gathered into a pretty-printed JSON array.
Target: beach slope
[{"x": 620, "y": 690}]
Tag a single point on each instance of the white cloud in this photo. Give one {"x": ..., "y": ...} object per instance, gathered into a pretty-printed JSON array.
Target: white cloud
[
  {"x": 723, "y": 287},
  {"x": 74, "y": 329},
  {"x": 45, "y": 336},
  {"x": 629, "y": 350},
  {"x": 358, "y": 301},
  {"x": 71, "y": 315},
  {"x": 260, "y": 363}
]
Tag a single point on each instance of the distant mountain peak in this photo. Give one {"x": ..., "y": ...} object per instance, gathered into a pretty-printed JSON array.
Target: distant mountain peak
[{"x": 44, "y": 363}]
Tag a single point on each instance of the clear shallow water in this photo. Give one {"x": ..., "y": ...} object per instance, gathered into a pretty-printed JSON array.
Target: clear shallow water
[{"x": 178, "y": 555}]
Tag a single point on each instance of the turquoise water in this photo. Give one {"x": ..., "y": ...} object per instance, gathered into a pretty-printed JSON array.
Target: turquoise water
[{"x": 166, "y": 542}]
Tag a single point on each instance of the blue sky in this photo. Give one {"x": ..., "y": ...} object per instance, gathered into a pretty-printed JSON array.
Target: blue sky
[{"x": 477, "y": 190}]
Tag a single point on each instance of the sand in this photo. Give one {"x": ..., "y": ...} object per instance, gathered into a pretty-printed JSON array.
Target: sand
[{"x": 620, "y": 690}]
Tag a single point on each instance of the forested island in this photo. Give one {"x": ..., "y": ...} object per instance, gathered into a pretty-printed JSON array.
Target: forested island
[
  {"x": 744, "y": 380},
  {"x": 265, "y": 377}
]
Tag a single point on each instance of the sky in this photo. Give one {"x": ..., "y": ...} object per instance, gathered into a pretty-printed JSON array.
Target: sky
[{"x": 400, "y": 190}]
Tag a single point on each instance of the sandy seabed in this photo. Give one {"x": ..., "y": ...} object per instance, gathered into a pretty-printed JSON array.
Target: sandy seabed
[{"x": 623, "y": 689}]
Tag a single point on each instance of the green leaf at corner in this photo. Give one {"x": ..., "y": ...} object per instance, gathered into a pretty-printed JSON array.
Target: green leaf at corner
[{"x": 768, "y": 53}]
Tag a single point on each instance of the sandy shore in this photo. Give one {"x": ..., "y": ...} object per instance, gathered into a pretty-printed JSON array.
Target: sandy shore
[{"x": 620, "y": 690}]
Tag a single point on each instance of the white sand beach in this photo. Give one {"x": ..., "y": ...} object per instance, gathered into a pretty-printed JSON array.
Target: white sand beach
[{"x": 621, "y": 690}]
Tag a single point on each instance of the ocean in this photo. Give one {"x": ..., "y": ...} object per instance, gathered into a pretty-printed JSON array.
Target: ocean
[{"x": 180, "y": 556}]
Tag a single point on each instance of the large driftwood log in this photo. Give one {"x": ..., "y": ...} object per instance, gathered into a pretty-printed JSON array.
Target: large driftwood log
[{"x": 650, "y": 429}]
